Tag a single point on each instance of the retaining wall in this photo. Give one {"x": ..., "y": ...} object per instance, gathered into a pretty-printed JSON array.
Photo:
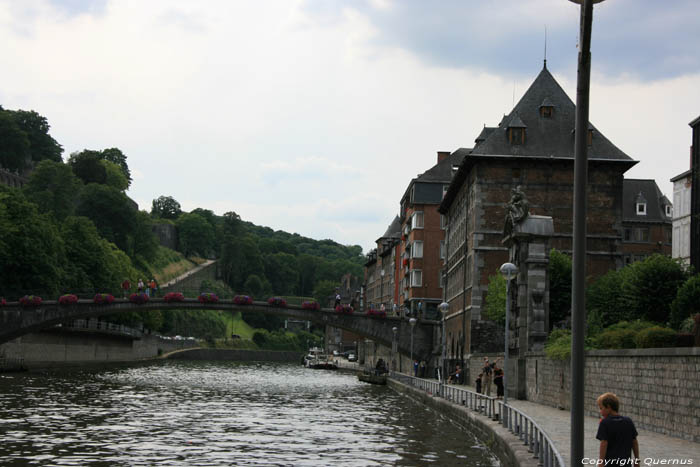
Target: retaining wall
[
  {"x": 238, "y": 355},
  {"x": 191, "y": 279},
  {"x": 658, "y": 388}
]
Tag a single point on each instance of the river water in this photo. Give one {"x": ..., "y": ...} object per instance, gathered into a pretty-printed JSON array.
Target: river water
[{"x": 220, "y": 413}]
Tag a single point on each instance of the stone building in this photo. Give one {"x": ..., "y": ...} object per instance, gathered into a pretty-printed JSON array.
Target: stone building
[
  {"x": 646, "y": 221},
  {"x": 532, "y": 147},
  {"x": 681, "y": 216},
  {"x": 422, "y": 250}
]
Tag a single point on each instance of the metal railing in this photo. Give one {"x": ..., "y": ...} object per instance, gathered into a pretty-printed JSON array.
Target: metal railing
[
  {"x": 517, "y": 422},
  {"x": 94, "y": 324}
]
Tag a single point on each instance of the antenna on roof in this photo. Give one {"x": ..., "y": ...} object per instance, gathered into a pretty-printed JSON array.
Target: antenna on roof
[{"x": 545, "y": 46}]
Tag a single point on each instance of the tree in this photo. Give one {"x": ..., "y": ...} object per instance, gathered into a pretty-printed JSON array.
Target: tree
[
  {"x": 324, "y": 290},
  {"x": 41, "y": 145},
  {"x": 195, "y": 235},
  {"x": 653, "y": 286},
  {"x": 112, "y": 213},
  {"x": 605, "y": 301},
  {"x": 116, "y": 156},
  {"x": 144, "y": 243},
  {"x": 253, "y": 286},
  {"x": 495, "y": 309},
  {"x": 14, "y": 144},
  {"x": 114, "y": 176},
  {"x": 54, "y": 188},
  {"x": 87, "y": 165},
  {"x": 32, "y": 253},
  {"x": 559, "y": 287},
  {"x": 686, "y": 303},
  {"x": 281, "y": 271},
  {"x": 165, "y": 207}
]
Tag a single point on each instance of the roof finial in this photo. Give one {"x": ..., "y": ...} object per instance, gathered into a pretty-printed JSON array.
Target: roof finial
[{"x": 545, "y": 46}]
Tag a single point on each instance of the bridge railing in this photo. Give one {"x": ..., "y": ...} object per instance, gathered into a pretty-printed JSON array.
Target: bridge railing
[
  {"x": 517, "y": 422},
  {"x": 101, "y": 326}
]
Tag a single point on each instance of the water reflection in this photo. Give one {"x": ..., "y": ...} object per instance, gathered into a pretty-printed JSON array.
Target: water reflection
[{"x": 220, "y": 413}]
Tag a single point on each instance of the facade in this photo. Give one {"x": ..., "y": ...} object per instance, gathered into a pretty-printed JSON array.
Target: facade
[
  {"x": 646, "y": 221},
  {"x": 381, "y": 270},
  {"x": 532, "y": 147},
  {"x": 695, "y": 195},
  {"x": 682, "y": 185},
  {"x": 422, "y": 249}
]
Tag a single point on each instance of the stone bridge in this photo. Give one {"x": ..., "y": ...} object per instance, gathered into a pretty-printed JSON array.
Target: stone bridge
[{"x": 17, "y": 320}]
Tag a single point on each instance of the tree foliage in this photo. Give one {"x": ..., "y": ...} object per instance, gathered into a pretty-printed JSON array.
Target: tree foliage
[
  {"x": 14, "y": 144},
  {"x": 42, "y": 146},
  {"x": 496, "y": 299},
  {"x": 54, "y": 188},
  {"x": 88, "y": 167},
  {"x": 559, "y": 287},
  {"x": 686, "y": 303},
  {"x": 166, "y": 207},
  {"x": 195, "y": 235}
]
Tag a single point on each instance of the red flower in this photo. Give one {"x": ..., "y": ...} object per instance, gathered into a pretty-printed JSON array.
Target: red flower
[
  {"x": 174, "y": 297},
  {"x": 138, "y": 298},
  {"x": 103, "y": 299},
  {"x": 206, "y": 297},
  {"x": 243, "y": 300},
  {"x": 277, "y": 302},
  {"x": 30, "y": 300},
  {"x": 68, "y": 299},
  {"x": 312, "y": 305}
]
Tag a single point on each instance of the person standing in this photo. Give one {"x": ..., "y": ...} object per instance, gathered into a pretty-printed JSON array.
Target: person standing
[
  {"x": 616, "y": 433},
  {"x": 498, "y": 380},
  {"x": 139, "y": 286},
  {"x": 153, "y": 287},
  {"x": 415, "y": 368},
  {"x": 126, "y": 285},
  {"x": 487, "y": 370},
  {"x": 478, "y": 383}
]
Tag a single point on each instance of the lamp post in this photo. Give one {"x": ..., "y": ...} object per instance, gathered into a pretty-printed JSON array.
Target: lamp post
[
  {"x": 443, "y": 307},
  {"x": 393, "y": 348},
  {"x": 412, "y": 322},
  {"x": 381, "y": 287},
  {"x": 578, "y": 272},
  {"x": 508, "y": 270}
]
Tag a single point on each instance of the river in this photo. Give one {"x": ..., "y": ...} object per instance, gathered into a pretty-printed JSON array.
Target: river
[{"x": 220, "y": 413}]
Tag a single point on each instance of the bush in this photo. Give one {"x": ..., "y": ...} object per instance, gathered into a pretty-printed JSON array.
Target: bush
[
  {"x": 558, "y": 345},
  {"x": 616, "y": 339},
  {"x": 686, "y": 303},
  {"x": 656, "y": 337},
  {"x": 685, "y": 339}
]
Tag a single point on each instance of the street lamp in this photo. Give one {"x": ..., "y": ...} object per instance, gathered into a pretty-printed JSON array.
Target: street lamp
[
  {"x": 443, "y": 307},
  {"x": 381, "y": 288},
  {"x": 393, "y": 349},
  {"x": 508, "y": 270},
  {"x": 578, "y": 270},
  {"x": 412, "y": 322}
]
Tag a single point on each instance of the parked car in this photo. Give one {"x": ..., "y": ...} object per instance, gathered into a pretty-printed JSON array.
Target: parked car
[{"x": 352, "y": 357}]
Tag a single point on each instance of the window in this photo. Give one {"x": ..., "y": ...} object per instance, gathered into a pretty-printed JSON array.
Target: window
[
  {"x": 444, "y": 190},
  {"x": 441, "y": 279},
  {"x": 443, "y": 221},
  {"x": 669, "y": 210},
  {"x": 640, "y": 234},
  {"x": 516, "y": 135},
  {"x": 641, "y": 209},
  {"x": 416, "y": 278},
  {"x": 417, "y": 250},
  {"x": 417, "y": 220},
  {"x": 546, "y": 111},
  {"x": 442, "y": 249}
]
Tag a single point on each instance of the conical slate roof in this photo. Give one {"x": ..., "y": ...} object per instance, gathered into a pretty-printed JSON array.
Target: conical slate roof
[
  {"x": 394, "y": 229},
  {"x": 545, "y": 137}
]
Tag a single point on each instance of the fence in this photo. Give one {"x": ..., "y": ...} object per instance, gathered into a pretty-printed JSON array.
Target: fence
[
  {"x": 518, "y": 423},
  {"x": 94, "y": 324}
]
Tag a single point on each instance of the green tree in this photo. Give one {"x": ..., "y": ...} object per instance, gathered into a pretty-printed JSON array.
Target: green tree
[
  {"x": 116, "y": 156},
  {"x": 112, "y": 212},
  {"x": 559, "y": 287},
  {"x": 14, "y": 144},
  {"x": 605, "y": 301},
  {"x": 307, "y": 274},
  {"x": 142, "y": 241},
  {"x": 281, "y": 271},
  {"x": 114, "y": 176},
  {"x": 324, "y": 290},
  {"x": 195, "y": 235},
  {"x": 253, "y": 286},
  {"x": 686, "y": 303},
  {"x": 41, "y": 145},
  {"x": 653, "y": 286},
  {"x": 166, "y": 207},
  {"x": 54, "y": 188},
  {"x": 87, "y": 165},
  {"x": 495, "y": 309},
  {"x": 32, "y": 253}
]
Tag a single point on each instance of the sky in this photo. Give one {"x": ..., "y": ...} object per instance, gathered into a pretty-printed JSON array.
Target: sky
[{"x": 313, "y": 116}]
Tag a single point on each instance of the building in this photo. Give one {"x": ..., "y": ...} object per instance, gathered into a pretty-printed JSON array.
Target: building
[
  {"x": 646, "y": 220},
  {"x": 422, "y": 249},
  {"x": 532, "y": 147},
  {"x": 381, "y": 270},
  {"x": 681, "y": 216}
]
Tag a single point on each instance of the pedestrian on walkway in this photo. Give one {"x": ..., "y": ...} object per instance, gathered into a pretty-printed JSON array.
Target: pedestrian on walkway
[
  {"x": 422, "y": 367},
  {"x": 139, "y": 285},
  {"x": 498, "y": 380},
  {"x": 153, "y": 287},
  {"x": 617, "y": 434},
  {"x": 126, "y": 285},
  {"x": 478, "y": 383},
  {"x": 487, "y": 371},
  {"x": 415, "y": 368}
]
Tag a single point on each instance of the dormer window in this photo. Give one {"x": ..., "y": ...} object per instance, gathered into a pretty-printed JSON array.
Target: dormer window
[
  {"x": 546, "y": 108},
  {"x": 641, "y": 209},
  {"x": 516, "y": 135},
  {"x": 669, "y": 210}
]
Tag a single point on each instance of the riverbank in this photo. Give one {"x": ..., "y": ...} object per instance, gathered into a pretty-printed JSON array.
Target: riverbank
[{"x": 236, "y": 355}]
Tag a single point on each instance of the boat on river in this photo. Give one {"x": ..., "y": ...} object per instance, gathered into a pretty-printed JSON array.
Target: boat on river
[
  {"x": 318, "y": 360},
  {"x": 371, "y": 378}
]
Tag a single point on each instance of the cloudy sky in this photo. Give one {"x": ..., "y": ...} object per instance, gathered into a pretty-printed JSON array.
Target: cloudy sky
[{"x": 313, "y": 116}]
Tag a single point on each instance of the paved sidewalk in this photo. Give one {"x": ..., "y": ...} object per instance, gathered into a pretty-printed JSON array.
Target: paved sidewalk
[{"x": 653, "y": 447}]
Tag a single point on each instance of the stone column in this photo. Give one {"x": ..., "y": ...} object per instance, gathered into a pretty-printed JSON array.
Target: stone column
[{"x": 529, "y": 245}]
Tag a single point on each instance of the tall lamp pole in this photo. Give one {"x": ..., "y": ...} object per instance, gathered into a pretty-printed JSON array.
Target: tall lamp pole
[
  {"x": 381, "y": 288},
  {"x": 509, "y": 271},
  {"x": 578, "y": 304},
  {"x": 393, "y": 349},
  {"x": 444, "y": 307}
]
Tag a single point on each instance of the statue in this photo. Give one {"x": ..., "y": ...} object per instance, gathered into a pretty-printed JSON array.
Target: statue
[{"x": 517, "y": 209}]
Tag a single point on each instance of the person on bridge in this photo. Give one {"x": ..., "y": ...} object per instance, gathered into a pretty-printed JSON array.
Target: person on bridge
[
  {"x": 152, "y": 286},
  {"x": 498, "y": 380},
  {"x": 617, "y": 434},
  {"x": 126, "y": 285},
  {"x": 337, "y": 299},
  {"x": 139, "y": 285},
  {"x": 487, "y": 370}
]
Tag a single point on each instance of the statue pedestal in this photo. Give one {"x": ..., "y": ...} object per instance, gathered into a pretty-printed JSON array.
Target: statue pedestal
[{"x": 529, "y": 245}]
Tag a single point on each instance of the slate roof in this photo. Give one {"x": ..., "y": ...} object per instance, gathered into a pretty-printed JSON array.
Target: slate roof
[
  {"x": 545, "y": 137},
  {"x": 440, "y": 172},
  {"x": 683, "y": 175},
  {"x": 394, "y": 229},
  {"x": 636, "y": 190}
]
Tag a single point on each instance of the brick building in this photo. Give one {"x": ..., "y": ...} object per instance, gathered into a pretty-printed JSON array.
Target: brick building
[
  {"x": 646, "y": 221},
  {"x": 422, "y": 249},
  {"x": 532, "y": 147},
  {"x": 381, "y": 269}
]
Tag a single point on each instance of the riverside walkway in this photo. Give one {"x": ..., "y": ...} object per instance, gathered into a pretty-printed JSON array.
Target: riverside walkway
[{"x": 654, "y": 448}]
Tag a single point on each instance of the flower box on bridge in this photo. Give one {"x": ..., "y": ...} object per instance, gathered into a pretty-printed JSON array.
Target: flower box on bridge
[
  {"x": 312, "y": 305},
  {"x": 174, "y": 297},
  {"x": 30, "y": 300},
  {"x": 68, "y": 299},
  {"x": 138, "y": 298},
  {"x": 277, "y": 302},
  {"x": 103, "y": 299},
  {"x": 206, "y": 297},
  {"x": 243, "y": 300},
  {"x": 374, "y": 313},
  {"x": 344, "y": 309}
]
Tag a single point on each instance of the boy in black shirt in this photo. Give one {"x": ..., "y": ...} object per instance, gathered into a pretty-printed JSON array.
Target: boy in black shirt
[{"x": 617, "y": 434}]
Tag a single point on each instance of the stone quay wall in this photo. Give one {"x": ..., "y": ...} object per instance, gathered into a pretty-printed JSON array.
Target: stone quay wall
[
  {"x": 52, "y": 348},
  {"x": 658, "y": 388}
]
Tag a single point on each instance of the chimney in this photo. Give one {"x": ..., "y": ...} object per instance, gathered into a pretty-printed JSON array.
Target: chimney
[{"x": 442, "y": 155}]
